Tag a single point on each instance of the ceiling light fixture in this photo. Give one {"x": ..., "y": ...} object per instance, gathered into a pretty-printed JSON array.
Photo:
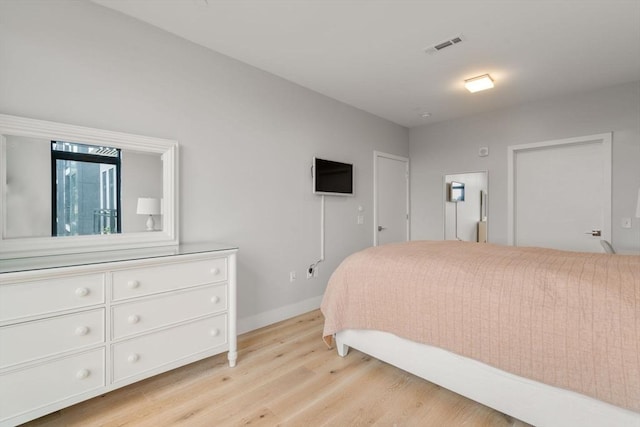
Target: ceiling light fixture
[
  {"x": 425, "y": 115},
  {"x": 476, "y": 84}
]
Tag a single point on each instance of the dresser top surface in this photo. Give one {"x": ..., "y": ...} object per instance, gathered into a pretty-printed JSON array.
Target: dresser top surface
[{"x": 101, "y": 257}]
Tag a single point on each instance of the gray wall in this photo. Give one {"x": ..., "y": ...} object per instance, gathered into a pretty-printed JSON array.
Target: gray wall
[
  {"x": 28, "y": 184},
  {"x": 452, "y": 147},
  {"x": 141, "y": 175},
  {"x": 247, "y": 138}
]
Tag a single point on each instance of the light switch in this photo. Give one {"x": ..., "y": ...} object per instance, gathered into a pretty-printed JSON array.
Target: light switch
[{"x": 360, "y": 219}]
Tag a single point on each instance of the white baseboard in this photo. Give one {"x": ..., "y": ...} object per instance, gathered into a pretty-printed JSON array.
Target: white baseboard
[{"x": 257, "y": 321}]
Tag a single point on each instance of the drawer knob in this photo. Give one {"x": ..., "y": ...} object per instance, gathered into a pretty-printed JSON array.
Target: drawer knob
[
  {"x": 133, "y": 319},
  {"x": 82, "y": 292},
  {"x": 132, "y": 284},
  {"x": 215, "y": 271},
  {"x": 133, "y": 358},
  {"x": 82, "y": 330},
  {"x": 215, "y": 332},
  {"x": 215, "y": 299},
  {"x": 82, "y": 374}
]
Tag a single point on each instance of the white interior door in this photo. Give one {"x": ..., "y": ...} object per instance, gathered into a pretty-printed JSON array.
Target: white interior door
[
  {"x": 560, "y": 193},
  {"x": 391, "y": 198}
]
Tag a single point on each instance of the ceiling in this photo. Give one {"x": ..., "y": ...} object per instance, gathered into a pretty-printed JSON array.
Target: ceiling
[{"x": 371, "y": 53}]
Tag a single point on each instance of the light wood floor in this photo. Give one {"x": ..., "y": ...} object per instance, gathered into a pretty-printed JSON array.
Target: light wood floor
[{"x": 285, "y": 376}]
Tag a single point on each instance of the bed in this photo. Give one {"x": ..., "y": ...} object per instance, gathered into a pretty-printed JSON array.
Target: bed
[{"x": 549, "y": 337}]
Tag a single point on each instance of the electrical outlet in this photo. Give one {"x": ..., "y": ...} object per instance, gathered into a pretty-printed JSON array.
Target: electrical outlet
[
  {"x": 292, "y": 276},
  {"x": 360, "y": 220},
  {"x": 626, "y": 223}
]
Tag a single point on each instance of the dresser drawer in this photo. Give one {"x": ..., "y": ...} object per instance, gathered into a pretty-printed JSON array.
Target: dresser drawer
[
  {"x": 152, "y": 351},
  {"x": 30, "y": 389},
  {"x": 48, "y": 296},
  {"x": 27, "y": 341},
  {"x": 161, "y": 278},
  {"x": 166, "y": 309}
]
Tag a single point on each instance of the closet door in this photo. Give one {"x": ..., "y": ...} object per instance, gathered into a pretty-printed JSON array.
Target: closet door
[{"x": 560, "y": 193}]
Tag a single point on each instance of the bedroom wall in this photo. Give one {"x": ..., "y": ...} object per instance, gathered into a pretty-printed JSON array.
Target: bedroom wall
[
  {"x": 135, "y": 184},
  {"x": 452, "y": 147},
  {"x": 25, "y": 189},
  {"x": 246, "y": 138}
]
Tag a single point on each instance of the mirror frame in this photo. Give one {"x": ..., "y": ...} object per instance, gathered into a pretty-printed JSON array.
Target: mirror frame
[{"x": 38, "y": 246}]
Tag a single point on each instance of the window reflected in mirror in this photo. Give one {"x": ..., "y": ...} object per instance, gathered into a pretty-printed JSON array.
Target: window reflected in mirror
[
  {"x": 86, "y": 187},
  {"x": 95, "y": 188}
]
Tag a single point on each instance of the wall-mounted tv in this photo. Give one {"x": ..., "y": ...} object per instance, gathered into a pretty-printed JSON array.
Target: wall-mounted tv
[
  {"x": 456, "y": 192},
  {"x": 332, "y": 178}
]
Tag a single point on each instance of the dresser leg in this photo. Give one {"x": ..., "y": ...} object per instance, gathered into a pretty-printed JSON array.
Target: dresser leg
[{"x": 232, "y": 356}]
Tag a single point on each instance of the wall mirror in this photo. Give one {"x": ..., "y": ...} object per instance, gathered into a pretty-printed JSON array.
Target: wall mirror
[
  {"x": 465, "y": 206},
  {"x": 70, "y": 189}
]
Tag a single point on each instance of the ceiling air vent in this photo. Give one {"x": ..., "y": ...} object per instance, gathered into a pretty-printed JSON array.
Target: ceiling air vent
[{"x": 443, "y": 45}]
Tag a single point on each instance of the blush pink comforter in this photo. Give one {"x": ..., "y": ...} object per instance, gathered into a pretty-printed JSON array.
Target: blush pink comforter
[{"x": 567, "y": 319}]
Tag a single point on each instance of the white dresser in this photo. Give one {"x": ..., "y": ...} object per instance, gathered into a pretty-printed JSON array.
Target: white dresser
[{"x": 74, "y": 327}]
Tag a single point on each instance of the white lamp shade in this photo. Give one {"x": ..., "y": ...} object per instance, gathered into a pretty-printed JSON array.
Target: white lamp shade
[{"x": 148, "y": 206}]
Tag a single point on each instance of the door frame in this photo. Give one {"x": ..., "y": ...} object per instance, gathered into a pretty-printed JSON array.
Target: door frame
[
  {"x": 376, "y": 156},
  {"x": 602, "y": 138}
]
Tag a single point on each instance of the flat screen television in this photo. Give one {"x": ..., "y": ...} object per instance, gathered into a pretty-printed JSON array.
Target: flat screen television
[
  {"x": 456, "y": 192},
  {"x": 332, "y": 178}
]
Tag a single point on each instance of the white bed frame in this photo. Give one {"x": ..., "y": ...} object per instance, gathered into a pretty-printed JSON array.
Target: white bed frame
[{"x": 527, "y": 400}]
